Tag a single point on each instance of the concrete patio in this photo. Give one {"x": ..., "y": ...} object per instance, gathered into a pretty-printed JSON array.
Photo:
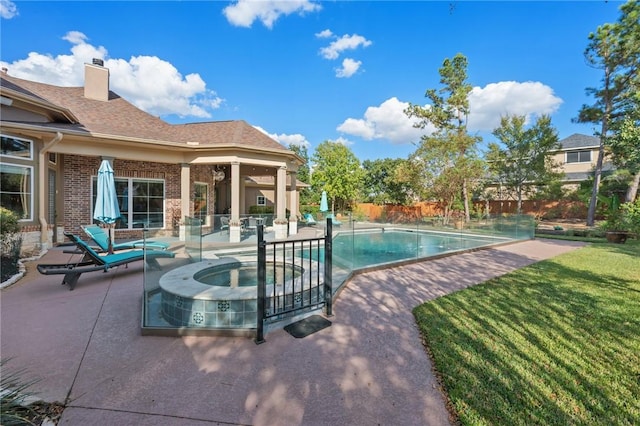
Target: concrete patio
[{"x": 368, "y": 368}]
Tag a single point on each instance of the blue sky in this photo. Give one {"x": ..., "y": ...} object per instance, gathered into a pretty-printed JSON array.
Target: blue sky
[{"x": 305, "y": 72}]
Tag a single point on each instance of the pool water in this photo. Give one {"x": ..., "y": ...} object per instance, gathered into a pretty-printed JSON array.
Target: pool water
[
  {"x": 246, "y": 275},
  {"x": 359, "y": 250}
]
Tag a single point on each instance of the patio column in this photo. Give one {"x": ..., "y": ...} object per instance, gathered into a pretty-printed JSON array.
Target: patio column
[
  {"x": 185, "y": 197},
  {"x": 43, "y": 180},
  {"x": 293, "y": 205},
  {"x": 234, "y": 222},
  {"x": 280, "y": 224}
]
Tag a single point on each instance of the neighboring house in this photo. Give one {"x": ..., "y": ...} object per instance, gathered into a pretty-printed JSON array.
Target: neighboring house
[
  {"x": 54, "y": 139},
  {"x": 577, "y": 158}
]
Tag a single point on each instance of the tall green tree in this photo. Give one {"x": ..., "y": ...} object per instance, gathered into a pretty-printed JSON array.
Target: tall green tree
[
  {"x": 381, "y": 184},
  {"x": 522, "y": 159},
  {"x": 449, "y": 157},
  {"x": 336, "y": 170},
  {"x": 614, "y": 49},
  {"x": 303, "y": 174},
  {"x": 625, "y": 147}
]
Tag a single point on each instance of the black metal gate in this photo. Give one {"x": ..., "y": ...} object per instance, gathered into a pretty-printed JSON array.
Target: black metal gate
[{"x": 293, "y": 277}]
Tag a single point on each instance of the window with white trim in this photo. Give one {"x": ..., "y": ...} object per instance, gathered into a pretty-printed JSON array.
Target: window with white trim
[
  {"x": 16, "y": 189},
  {"x": 261, "y": 200},
  {"x": 579, "y": 156},
  {"x": 11, "y": 146},
  {"x": 141, "y": 202}
]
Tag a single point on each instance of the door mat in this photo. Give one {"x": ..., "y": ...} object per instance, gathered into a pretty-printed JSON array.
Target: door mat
[{"x": 307, "y": 326}]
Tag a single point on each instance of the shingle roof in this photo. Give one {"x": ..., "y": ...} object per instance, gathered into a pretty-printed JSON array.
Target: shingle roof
[
  {"x": 118, "y": 117},
  {"x": 579, "y": 141}
]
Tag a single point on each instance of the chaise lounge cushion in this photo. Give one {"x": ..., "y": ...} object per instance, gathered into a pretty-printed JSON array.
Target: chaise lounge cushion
[{"x": 101, "y": 238}]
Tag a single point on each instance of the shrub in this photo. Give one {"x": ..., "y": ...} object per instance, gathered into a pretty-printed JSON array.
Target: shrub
[
  {"x": 631, "y": 216},
  {"x": 10, "y": 244},
  {"x": 8, "y": 222},
  {"x": 260, "y": 209}
]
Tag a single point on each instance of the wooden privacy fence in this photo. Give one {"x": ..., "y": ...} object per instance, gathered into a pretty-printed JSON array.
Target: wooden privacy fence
[{"x": 562, "y": 209}]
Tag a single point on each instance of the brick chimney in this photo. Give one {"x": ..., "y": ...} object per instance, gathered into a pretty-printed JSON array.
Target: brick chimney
[{"x": 96, "y": 81}]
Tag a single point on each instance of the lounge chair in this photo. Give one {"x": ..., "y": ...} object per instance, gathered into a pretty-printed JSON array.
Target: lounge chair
[
  {"x": 334, "y": 221},
  {"x": 92, "y": 261},
  {"x": 309, "y": 219},
  {"x": 101, "y": 238}
]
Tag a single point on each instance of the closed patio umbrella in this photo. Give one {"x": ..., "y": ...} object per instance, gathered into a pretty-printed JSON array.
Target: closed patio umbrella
[
  {"x": 324, "y": 206},
  {"x": 106, "y": 209}
]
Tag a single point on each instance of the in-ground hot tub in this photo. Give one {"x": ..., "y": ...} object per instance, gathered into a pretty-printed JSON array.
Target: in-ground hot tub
[{"x": 222, "y": 293}]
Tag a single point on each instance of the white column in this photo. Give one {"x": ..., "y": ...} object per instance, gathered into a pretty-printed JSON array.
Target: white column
[
  {"x": 234, "y": 222},
  {"x": 185, "y": 197},
  {"x": 293, "y": 205},
  {"x": 280, "y": 224}
]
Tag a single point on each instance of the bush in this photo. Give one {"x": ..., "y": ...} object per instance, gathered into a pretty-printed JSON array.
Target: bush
[
  {"x": 8, "y": 222},
  {"x": 260, "y": 209},
  {"x": 631, "y": 216},
  {"x": 10, "y": 244}
]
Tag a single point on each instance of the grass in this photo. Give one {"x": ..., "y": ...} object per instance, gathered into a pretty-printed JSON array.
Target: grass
[{"x": 554, "y": 343}]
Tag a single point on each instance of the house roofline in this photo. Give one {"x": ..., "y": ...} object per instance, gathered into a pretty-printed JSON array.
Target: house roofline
[{"x": 176, "y": 146}]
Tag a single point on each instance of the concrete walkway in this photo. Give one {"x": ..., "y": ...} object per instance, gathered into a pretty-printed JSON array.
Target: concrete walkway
[{"x": 368, "y": 368}]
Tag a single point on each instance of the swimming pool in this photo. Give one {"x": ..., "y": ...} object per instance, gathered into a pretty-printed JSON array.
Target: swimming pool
[{"x": 356, "y": 250}]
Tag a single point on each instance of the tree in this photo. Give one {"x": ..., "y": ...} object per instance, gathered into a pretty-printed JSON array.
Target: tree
[
  {"x": 615, "y": 49},
  {"x": 381, "y": 183},
  {"x": 303, "y": 172},
  {"x": 625, "y": 147},
  {"x": 337, "y": 171},
  {"x": 449, "y": 156},
  {"x": 522, "y": 161}
]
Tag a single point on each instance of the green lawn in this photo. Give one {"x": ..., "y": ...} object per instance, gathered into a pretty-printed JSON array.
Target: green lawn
[{"x": 555, "y": 343}]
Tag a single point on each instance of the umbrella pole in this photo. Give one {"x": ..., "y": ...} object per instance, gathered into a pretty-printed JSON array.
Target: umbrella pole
[{"x": 110, "y": 249}]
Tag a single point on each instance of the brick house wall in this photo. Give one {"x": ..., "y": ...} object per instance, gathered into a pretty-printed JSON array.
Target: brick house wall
[{"x": 78, "y": 174}]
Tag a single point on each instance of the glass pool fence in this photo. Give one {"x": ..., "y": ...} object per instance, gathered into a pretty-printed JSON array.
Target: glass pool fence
[{"x": 175, "y": 302}]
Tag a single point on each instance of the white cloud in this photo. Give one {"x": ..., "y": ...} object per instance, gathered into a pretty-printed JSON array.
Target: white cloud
[
  {"x": 324, "y": 34},
  {"x": 487, "y": 105},
  {"x": 530, "y": 99},
  {"x": 148, "y": 82},
  {"x": 342, "y": 140},
  {"x": 286, "y": 140},
  {"x": 8, "y": 9},
  {"x": 290, "y": 140},
  {"x": 346, "y": 42},
  {"x": 349, "y": 68},
  {"x": 243, "y": 13},
  {"x": 386, "y": 121}
]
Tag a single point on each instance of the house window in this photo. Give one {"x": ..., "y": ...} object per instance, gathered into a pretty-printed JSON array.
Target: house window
[
  {"x": 16, "y": 147},
  {"x": 16, "y": 189},
  {"x": 261, "y": 200},
  {"x": 141, "y": 202},
  {"x": 578, "y": 156},
  {"x": 53, "y": 158},
  {"x": 200, "y": 200}
]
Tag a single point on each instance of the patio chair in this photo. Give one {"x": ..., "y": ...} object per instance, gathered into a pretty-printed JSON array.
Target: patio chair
[
  {"x": 334, "y": 221},
  {"x": 101, "y": 238},
  {"x": 92, "y": 261},
  {"x": 309, "y": 219},
  {"x": 224, "y": 223},
  {"x": 252, "y": 225}
]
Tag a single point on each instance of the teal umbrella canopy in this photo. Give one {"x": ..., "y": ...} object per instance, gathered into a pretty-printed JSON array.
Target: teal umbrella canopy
[
  {"x": 106, "y": 209},
  {"x": 324, "y": 206}
]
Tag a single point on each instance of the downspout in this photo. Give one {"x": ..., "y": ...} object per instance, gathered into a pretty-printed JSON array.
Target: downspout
[{"x": 42, "y": 173}]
